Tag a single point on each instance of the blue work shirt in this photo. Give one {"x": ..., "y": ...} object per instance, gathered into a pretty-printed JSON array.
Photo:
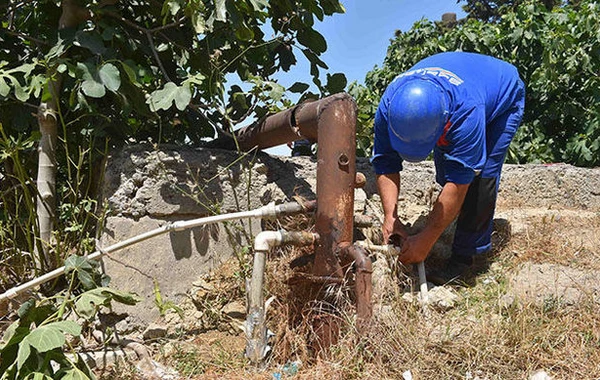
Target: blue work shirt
[{"x": 479, "y": 88}]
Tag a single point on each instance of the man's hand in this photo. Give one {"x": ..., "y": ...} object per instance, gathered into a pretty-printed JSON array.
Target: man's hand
[
  {"x": 393, "y": 226},
  {"x": 415, "y": 249},
  {"x": 446, "y": 207}
]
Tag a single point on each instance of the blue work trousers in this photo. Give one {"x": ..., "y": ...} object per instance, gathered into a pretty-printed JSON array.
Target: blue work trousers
[{"x": 474, "y": 226}]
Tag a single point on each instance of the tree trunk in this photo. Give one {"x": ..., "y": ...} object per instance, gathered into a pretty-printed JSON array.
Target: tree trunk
[
  {"x": 46, "y": 178},
  {"x": 72, "y": 15}
]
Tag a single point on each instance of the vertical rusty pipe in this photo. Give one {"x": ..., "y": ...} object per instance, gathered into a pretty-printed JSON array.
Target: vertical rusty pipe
[
  {"x": 362, "y": 286},
  {"x": 332, "y": 123},
  {"x": 335, "y": 117}
]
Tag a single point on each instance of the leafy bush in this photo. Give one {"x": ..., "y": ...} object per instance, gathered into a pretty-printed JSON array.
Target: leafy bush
[
  {"x": 36, "y": 340},
  {"x": 557, "y": 53}
]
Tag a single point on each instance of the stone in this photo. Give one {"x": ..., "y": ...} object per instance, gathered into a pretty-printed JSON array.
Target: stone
[
  {"x": 442, "y": 297},
  {"x": 109, "y": 356},
  {"x": 235, "y": 310},
  {"x": 540, "y": 375},
  {"x": 152, "y": 370},
  {"x": 154, "y": 331}
]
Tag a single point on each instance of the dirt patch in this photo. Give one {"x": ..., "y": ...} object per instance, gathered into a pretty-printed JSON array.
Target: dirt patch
[{"x": 547, "y": 283}]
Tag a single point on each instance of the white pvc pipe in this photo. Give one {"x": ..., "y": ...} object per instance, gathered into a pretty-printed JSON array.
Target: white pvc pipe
[
  {"x": 263, "y": 242},
  {"x": 423, "y": 282},
  {"x": 256, "y": 332},
  {"x": 270, "y": 210}
]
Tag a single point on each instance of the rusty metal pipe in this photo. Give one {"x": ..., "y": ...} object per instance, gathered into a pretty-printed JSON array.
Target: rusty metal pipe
[
  {"x": 274, "y": 130},
  {"x": 335, "y": 120},
  {"x": 335, "y": 117},
  {"x": 332, "y": 123},
  {"x": 362, "y": 285}
]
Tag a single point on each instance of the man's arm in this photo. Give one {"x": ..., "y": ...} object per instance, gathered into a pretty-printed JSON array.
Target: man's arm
[
  {"x": 446, "y": 208},
  {"x": 389, "y": 188}
]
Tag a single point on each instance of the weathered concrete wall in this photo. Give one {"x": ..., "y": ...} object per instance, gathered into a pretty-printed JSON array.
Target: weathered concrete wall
[{"x": 145, "y": 189}]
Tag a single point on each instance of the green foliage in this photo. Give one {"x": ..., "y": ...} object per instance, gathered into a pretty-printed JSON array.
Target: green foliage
[
  {"x": 164, "y": 305},
  {"x": 76, "y": 216},
  {"x": 171, "y": 71},
  {"x": 556, "y": 53},
  {"x": 88, "y": 303},
  {"x": 17, "y": 208},
  {"x": 366, "y": 101},
  {"x": 40, "y": 334},
  {"x": 492, "y": 10},
  {"x": 138, "y": 71}
]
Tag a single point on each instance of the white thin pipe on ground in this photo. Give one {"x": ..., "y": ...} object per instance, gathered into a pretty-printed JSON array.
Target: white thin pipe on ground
[
  {"x": 423, "y": 282},
  {"x": 270, "y": 210}
]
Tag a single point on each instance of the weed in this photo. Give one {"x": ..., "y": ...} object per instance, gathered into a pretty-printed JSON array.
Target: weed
[{"x": 164, "y": 305}]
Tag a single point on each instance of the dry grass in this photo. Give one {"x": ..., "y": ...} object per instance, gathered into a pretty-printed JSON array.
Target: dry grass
[
  {"x": 568, "y": 241},
  {"x": 483, "y": 336}
]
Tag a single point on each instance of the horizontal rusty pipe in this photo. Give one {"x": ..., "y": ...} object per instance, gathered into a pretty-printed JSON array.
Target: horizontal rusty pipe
[
  {"x": 296, "y": 207},
  {"x": 299, "y": 238},
  {"x": 274, "y": 130}
]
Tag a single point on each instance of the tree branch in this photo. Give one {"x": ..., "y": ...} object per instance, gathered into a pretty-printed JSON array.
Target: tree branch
[
  {"x": 141, "y": 28},
  {"x": 198, "y": 108},
  {"x": 155, "y": 53},
  {"x": 28, "y": 38}
]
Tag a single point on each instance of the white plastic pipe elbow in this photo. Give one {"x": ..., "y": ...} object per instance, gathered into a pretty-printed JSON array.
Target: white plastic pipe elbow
[{"x": 265, "y": 240}]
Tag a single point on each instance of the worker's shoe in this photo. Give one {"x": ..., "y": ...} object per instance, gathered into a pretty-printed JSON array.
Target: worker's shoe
[{"x": 460, "y": 270}]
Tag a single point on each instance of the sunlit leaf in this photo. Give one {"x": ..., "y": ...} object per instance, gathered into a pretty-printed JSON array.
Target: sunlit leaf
[
  {"x": 183, "y": 95},
  {"x": 163, "y": 99},
  {"x": 259, "y": 4},
  {"x": 90, "y": 301},
  {"x": 220, "y": 10},
  {"x": 4, "y": 87},
  {"x": 46, "y": 338},
  {"x": 110, "y": 77},
  {"x": 74, "y": 374}
]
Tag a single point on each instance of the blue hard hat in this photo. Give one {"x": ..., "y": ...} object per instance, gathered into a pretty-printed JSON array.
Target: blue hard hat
[{"x": 417, "y": 113}]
